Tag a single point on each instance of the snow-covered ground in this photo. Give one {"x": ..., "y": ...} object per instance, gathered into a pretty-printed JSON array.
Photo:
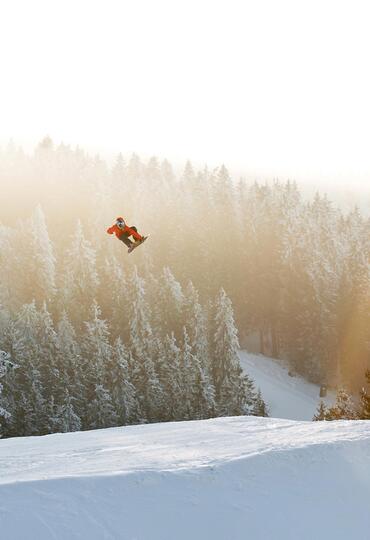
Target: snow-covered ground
[
  {"x": 286, "y": 396},
  {"x": 220, "y": 479}
]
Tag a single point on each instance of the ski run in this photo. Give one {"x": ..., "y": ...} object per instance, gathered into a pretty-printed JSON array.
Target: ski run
[{"x": 221, "y": 479}]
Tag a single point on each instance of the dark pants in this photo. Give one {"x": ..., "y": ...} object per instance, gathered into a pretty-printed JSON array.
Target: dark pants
[{"x": 125, "y": 238}]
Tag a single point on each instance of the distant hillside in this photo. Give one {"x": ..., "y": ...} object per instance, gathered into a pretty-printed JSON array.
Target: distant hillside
[{"x": 286, "y": 396}]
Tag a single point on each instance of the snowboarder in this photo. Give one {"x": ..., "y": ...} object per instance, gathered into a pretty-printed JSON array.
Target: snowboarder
[{"x": 123, "y": 233}]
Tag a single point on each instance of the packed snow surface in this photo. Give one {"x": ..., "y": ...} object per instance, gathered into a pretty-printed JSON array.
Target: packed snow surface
[
  {"x": 286, "y": 396},
  {"x": 219, "y": 479}
]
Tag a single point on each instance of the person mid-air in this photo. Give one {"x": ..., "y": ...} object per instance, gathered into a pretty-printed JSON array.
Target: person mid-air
[{"x": 123, "y": 233}]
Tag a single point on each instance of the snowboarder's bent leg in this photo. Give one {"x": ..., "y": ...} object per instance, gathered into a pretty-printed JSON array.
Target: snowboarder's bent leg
[
  {"x": 136, "y": 236},
  {"x": 125, "y": 239}
]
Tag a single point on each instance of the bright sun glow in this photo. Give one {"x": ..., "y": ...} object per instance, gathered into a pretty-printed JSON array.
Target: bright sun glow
[{"x": 269, "y": 86}]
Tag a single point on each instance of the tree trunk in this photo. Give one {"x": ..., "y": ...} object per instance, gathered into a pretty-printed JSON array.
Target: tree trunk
[
  {"x": 275, "y": 342},
  {"x": 262, "y": 342}
]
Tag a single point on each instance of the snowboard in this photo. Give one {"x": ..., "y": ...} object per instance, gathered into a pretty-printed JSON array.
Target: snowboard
[{"x": 137, "y": 244}]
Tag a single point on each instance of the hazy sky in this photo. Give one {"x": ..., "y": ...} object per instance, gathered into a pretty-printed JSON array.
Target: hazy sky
[{"x": 278, "y": 87}]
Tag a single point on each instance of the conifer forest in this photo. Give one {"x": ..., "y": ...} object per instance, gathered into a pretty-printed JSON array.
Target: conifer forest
[{"x": 91, "y": 336}]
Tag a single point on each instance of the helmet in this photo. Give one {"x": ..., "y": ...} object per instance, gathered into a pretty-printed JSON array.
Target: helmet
[{"x": 120, "y": 222}]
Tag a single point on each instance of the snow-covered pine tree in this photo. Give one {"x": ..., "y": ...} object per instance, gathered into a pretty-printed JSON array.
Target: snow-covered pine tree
[
  {"x": 144, "y": 351},
  {"x": 196, "y": 324},
  {"x": 43, "y": 259},
  {"x": 115, "y": 298},
  {"x": 30, "y": 415},
  {"x": 80, "y": 278},
  {"x": 4, "y": 322},
  {"x": 189, "y": 372},
  {"x": 324, "y": 268},
  {"x": 47, "y": 343},
  {"x": 102, "y": 202},
  {"x": 353, "y": 306},
  {"x": 251, "y": 395},
  {"x": 141, "y": 335},
  {"x": 228, "y": 378},
  {"x": 10, "y": 289},
  {"x": 97, "y": 353},
  {"x": 168, "y": 176},
  {"x": 153, "y": 174},
  {"x": 152, "y": 395},
  {"x": 132, "y": 187},
  {"x": 259, "y": 407},
  {"x": 344, "y": 406},
  {"x": 65, "y": 418},
  {"x": 152, "y": 289},
  {"x": 170, "y": 300},
  {"x": 171, "y": 378},
  {"x": 364, "y": 411},
  {"x": 186, "y": 213},
  {"x": 343, "y": 409},
  {"x": 4, "y": 366},
  {"x": 118, "y": 172},
  {"x": 8, "y": 396},
  {"x": 195, "y": 321},
  {"x": 204, "y": 394},
  {"x": 101, "y": 411},
  {"x": 321, "y": 413},
  {"x": 122, "y": 390},
  {"x": 70, "y": 363}
]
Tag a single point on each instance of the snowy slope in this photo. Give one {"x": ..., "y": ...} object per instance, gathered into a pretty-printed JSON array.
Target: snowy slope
[
  {"x": 287, "y": 397},
  {"x": 220, "y": 479}
]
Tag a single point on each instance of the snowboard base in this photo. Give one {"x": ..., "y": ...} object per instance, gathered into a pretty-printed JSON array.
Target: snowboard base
[{"x": 137, "y": 244}]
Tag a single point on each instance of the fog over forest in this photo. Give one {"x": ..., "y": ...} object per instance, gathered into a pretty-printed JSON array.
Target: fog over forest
[{"x": 287, "y": 273}]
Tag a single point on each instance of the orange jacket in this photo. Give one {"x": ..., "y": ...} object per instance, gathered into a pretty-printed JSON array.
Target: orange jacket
[{"x": 114, "y": 229}]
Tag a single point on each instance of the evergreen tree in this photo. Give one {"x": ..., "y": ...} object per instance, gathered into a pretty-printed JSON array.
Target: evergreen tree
[
  {"x": 11, "y": 290},
  {"x": 189, "y": 372},
  {"x": 100, "y": 411},
  {"x": 47, "y": 345},
  {"x": 139, "y": 317},
  {"x": 115, "y": 300},
  {"x": 80, "y": 279},
  {"x": 196, "y": 324},
  {"x": 171, "y": 378},
  {"x": 322, "y": 412},
  {"x": 364, "y": 412},
  {"x": 30, "y": 415},
  {"x": 343, "y": 409},
  {"x": 122, "y": 390},
  {"x": 204, "y": 405},
  {"x": 143, "y": 346},
  {"x": 259, "y": 408},
  {"x": 230, "y": 384},
  {"x": 153, "y": 403},
  {"x": 97, "y": 353},
  {"x": 42, "y": 257},
  {"x": 66, "y": 419},
  {"x": 171, "y": 301},
  {"x": 70, "y": 364},
  {"x": 4, "y": 366}
]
